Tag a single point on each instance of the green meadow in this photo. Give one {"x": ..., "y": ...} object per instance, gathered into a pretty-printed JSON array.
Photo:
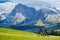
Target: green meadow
[{"x": 11, "y": 34}]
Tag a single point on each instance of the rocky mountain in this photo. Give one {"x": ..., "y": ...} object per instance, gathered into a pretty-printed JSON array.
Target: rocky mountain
[
  {"x": 49, "y": 15},
  {"x": 21, "y": 14},
  {"x": 25, "y": 15}
]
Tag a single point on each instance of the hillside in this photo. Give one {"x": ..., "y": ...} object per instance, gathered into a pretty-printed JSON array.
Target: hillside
[{"x": 10, "y": 34}]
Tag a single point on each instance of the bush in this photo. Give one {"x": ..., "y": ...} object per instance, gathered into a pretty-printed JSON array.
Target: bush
[{"x": 54, "y": 32}]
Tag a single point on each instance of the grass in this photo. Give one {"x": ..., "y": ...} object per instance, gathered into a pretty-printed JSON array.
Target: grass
[
  {"x": 10, "y": 34},
  {"x": 12, "y": 31}
]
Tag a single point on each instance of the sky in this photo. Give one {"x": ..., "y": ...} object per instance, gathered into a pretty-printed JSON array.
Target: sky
[{"x": 8, "y": 5}]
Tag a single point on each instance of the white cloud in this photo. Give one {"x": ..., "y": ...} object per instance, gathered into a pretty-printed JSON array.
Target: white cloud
[
  {"x": 6, "y": 7},
  {"x": 38, "y": 3}
]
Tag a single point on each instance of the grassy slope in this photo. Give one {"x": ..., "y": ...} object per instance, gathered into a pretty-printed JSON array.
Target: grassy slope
[{"x": 16, "y": 35}]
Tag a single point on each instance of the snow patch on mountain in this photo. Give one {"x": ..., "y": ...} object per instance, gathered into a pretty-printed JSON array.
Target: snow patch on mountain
[
  {"x": 3, "y": 17},
  {"x": 52, "y": 18},
  {"x": 19, "y": 18}
]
